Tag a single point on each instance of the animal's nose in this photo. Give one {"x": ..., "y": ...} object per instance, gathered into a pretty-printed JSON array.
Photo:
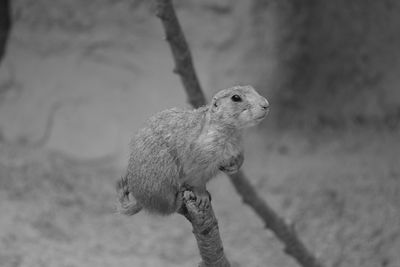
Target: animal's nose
[{"x": 265, "y": 104}]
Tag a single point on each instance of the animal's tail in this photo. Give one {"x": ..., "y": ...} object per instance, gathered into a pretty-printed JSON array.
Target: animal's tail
[{"x": 125, "y": 204}]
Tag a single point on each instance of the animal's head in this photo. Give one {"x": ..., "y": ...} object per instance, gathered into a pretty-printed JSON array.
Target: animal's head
[{"x": 239, "y": 106}]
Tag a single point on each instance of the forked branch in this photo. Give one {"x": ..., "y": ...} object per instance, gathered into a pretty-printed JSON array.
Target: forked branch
[{"x": 184, "y": 68}]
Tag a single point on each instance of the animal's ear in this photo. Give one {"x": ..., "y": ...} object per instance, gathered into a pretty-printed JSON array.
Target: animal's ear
[{"x": 214, "y": 104}]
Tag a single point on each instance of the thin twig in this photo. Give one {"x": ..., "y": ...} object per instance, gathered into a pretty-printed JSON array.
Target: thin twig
[{"x": 184, "y": 68}]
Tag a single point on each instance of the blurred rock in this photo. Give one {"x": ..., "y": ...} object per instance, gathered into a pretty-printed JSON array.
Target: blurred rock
[{"x": 319, "y": 62}]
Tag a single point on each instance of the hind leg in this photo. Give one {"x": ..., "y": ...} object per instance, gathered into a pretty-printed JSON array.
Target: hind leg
[
  {"x": 163, "y": 201},
  {"x": 199, "y": 194}
]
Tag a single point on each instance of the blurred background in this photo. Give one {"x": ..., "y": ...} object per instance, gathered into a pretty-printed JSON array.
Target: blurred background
[{"x": 78, "y": 78}]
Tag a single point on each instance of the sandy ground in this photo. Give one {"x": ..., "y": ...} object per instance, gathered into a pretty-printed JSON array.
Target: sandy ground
[{"x": 341, "y": 191}]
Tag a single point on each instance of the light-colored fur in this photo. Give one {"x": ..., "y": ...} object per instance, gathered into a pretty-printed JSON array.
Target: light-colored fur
[{"x": 187, "y": 148}]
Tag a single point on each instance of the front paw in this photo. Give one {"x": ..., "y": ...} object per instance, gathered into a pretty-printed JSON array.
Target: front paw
[
  {"x": 233, "y": 164},
  {"x": 230, "y": 169},
  {"x": 203, "y": 199}
]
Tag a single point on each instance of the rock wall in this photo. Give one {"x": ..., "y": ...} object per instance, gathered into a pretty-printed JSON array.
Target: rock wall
[
  {"x": 339, "y": 62},
  {"x": 87, "y": 74}
]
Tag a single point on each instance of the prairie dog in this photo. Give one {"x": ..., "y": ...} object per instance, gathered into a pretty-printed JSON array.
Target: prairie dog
[{"x": 187, "y": 148}]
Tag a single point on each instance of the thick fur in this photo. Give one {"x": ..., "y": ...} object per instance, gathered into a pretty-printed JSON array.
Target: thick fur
[
  {"x": 187, "y": 147},
  {"x": 125, "y": 204}
]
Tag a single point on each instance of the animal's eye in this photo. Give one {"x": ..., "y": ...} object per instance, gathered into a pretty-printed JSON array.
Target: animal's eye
[{"x": 236, "y": 98}]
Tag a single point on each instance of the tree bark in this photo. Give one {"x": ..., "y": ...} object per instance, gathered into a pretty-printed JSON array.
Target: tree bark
[
  {"x": 206, "y": 232},
  {"x": 5, "y": 26}
]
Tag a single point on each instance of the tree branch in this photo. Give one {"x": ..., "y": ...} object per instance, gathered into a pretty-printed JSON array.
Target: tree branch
[
  {"x": 181, "y": 53},
  {"x": 206, "y": 232},
  {"x": 184, "y": 68},
  {"x": 287, "y": 234}
]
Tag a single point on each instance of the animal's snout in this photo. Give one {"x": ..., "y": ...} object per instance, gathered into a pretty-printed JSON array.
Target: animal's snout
[{"x": 265, "y": 104}]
